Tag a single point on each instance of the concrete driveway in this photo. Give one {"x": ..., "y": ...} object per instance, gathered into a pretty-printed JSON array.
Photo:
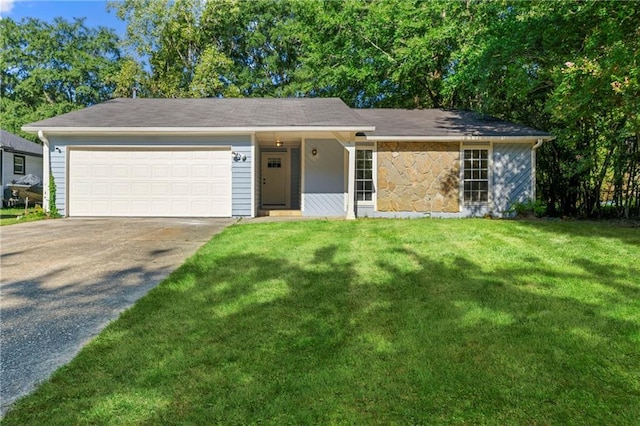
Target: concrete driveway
[{"x": 62, "y": 281}]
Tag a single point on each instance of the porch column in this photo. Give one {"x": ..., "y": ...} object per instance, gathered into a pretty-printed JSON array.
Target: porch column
[{"x": 351, "y": 150}]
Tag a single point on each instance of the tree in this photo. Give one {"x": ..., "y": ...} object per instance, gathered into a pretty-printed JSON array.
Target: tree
[
  {"x": 52, "y": 68},
  {"x": 184, "y": 59},
  {"x": 570, "y": 68}
]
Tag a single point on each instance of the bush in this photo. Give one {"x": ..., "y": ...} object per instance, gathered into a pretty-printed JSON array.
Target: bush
[{"x": 527, "y": 208}]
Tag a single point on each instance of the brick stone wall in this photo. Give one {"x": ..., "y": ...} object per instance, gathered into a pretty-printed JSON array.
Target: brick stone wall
[{"x": 418, "y": 177}]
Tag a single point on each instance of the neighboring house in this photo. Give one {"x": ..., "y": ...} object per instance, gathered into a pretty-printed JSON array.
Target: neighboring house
[
  {"x": 308, "y": 156},
  {"x": 18, "y": 157}
]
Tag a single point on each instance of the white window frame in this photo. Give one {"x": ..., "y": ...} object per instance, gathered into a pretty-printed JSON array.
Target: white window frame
[
  {"x": 488, "y": 146},
  {"x": 374, "y": 176}
]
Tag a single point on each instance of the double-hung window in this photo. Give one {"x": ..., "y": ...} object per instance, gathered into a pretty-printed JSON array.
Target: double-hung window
[
  {"x": 364, "y": 175},
  {"x": 18, "y": 164},
  {"x": 476, "y": 175}
]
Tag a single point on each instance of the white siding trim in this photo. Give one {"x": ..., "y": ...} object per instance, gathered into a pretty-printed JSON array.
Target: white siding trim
[
  {"x": 303, "y": 143},
  {"x": 46, "y": 166},
  {"x": 254, "y": 211},
  {"x": 489, "y": 147},
  {"x": 518, "y": 139},
  {"x": 374, "y": 176}
]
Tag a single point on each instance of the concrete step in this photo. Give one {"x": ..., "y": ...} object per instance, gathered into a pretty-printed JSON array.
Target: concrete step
[{"x": 279, "y": 213}]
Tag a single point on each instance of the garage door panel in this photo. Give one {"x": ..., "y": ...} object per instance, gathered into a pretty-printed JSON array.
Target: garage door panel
[
  {"x": 179, "y": 171},
  {"x": 119, "y": 188},
  {"x": 179, "y": 182},
  {"x": 160, "y": 189},
  {"x": 119, "y": 207},
  {"x": 120, "y": 172},
  {"x": 141, "y": 171}
]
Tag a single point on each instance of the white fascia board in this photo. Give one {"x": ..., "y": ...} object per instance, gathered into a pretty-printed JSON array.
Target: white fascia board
[
  {"x": 190, "y": 130},
  {"x": 374, "y": 138}
]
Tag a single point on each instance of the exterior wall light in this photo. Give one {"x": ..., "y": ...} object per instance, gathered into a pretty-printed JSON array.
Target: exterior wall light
[
  {"x": 238, "y": 156},
  {"x": 278, "y": 143},
  {"x": 314, "y": 152}
]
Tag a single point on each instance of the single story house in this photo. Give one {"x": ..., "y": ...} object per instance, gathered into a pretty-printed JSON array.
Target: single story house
[
  {"x": 18, "y": 157},
  {"x": 298, "y": 156}
]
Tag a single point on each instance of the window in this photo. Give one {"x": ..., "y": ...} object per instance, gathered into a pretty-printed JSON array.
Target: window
[
  {"x": 476, "y": 175},
  {"x": 274, "y": 163},
  {"x": 364, "y": 175},
  {"x": 18, "y": 164}
]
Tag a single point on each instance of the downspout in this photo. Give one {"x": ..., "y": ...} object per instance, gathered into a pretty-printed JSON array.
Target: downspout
[
  {"x": 46, "y": 166},
  {"x": 533, "y": 168}
]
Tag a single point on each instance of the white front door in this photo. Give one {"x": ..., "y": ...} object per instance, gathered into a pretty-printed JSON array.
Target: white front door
[{"x": 274, "y": 179}]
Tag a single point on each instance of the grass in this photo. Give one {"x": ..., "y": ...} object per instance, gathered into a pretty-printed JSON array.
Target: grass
[
  {"x": 372, "y": 321},
  {"x": 11, "y": 215}
]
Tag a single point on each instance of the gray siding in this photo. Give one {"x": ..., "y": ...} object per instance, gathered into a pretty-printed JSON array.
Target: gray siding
[
  {"x": 58, "y": 167},
  {"x": 511, "y": 174},
  {"x": 33, "y": 166},
  {"x": 241, "y": 185},
  {"x": 324, "y": 179},
  {"x": 240, "y": 170}
]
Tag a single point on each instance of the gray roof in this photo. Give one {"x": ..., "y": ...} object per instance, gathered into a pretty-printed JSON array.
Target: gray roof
[
  {"x": 11, "y": 142},
  {"x": 211, "y": 112},
  {"x": 255, "y": 113},
  {"x": 437, "y": 122}
]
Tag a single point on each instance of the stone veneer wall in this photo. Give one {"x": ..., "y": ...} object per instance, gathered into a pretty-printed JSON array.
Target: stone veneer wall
[{"x": 418, "y": 177}]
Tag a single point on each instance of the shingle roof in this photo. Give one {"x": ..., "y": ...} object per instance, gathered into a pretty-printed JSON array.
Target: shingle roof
[
  {"x": 12, "y": 142},
  {"x": 436, "y": 122},
  {"x": 258, "y": 113},
  {"x": 211, "y": 112}
]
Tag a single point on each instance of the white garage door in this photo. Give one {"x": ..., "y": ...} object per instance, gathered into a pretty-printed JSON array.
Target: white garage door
[{"x": 161, "y": 182}]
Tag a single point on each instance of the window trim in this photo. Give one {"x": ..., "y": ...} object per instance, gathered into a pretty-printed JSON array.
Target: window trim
[
  {"x": 374, "y": 177},
  {"x": 477, "y": 146},
  {"x": 16, "y": 166}
]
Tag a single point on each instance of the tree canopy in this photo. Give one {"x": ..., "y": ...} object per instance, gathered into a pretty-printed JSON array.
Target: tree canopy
[{"x": 52, "y": 68}]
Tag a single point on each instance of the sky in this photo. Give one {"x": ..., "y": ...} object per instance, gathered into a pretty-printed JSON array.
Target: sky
[{"x": 95, "y": 12}]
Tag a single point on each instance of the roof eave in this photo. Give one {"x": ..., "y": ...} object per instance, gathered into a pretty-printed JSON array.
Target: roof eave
[
  {"x": 190, "y": 130},
  {"x": 463, "y": 138},
  {"x": 19, "y": 151}
]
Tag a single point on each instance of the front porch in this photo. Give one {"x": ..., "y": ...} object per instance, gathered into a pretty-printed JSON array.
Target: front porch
[{"x": 305, "y": 174}]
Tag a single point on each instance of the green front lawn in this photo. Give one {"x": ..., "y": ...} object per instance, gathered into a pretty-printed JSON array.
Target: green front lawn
[
  {"x": 373, "y": 321},
  {"x": 12, "y": 215}
]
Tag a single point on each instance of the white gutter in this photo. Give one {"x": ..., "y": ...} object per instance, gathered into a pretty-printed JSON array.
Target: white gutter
[
  {"x": 538, "y": 144},
  {"x": 533, "y": 166},
  {"x": 192, "y": 130},
  {"x": 461, "y": 138},
  {"x": 46, "y": 166}
]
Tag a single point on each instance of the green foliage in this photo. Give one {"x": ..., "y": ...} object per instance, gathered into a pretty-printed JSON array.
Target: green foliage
[
  {"x": 527, "y": 208},
  {"x": 48, "y": 69},
  {"x": 570, "y": 68},
  {"x": 53, "y": 208}
]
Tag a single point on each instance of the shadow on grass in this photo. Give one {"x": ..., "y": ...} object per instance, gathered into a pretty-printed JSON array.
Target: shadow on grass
[
  {"x": 266, "y": 337},
  {"x": 627, "y": 232}
]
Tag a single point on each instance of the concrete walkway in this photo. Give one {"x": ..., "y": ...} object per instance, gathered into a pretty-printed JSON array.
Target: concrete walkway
[{"x": 62, "y": 281}]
